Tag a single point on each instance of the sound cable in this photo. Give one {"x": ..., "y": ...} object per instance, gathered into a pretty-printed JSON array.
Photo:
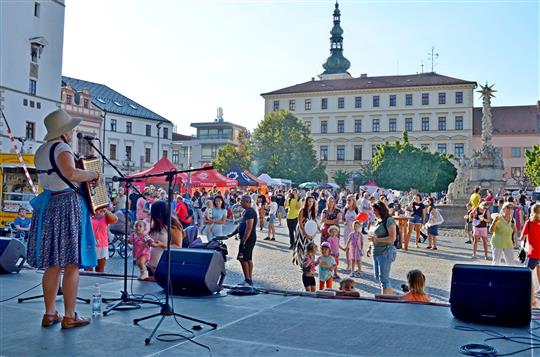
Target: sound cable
[
  {"x": 16, "y": 296},
  {"x": 485, "y": 350},
  {"x": 178, "y": 336}
]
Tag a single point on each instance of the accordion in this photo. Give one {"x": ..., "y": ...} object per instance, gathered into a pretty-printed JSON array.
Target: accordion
[{"x": 96, "y": 194}]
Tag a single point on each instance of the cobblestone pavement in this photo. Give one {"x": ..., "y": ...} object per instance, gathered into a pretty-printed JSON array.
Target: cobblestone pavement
[{"x": 273, "y": 266}]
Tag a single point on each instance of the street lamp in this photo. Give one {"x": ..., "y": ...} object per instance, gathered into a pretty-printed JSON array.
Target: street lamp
[{"x": 158, "y": 125}]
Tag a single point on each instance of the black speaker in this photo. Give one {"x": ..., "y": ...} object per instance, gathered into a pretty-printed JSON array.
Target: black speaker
[
  {"x": 12, "y": 255},
  {"x": 496, "y": 295},
  {"x": 193, "y": 271}
]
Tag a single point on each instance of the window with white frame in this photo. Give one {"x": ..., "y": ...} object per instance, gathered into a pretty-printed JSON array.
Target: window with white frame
[
  {"x": 323, "y": 153},
  {"x": 341, "y": 126},
  {"x": 408, "y": 99},
  {"x": 459, "y": 123},
  {"x": 442, "y": 123},
  {"x": 340, "y": 153},
  {"x": 292, "y": 105}
]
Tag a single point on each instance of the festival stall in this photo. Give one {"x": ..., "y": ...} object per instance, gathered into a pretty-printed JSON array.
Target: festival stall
[
  {"x": 236, "y": 173},
  {"x": 209, "y": 179},
  {"x": 159, "y": 167}
]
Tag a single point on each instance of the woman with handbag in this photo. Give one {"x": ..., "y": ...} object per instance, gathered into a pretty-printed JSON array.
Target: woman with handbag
[
  {"x": 302, "y": 239},
  {"x": 330, "y": 216},
  {"x": 435, "y": 219},
  {"x": 503, "y": 228},
  {"x": 382, "y": 237},
  {"x": 480, "y": 217},
  {"x": 531, "y": 235}
]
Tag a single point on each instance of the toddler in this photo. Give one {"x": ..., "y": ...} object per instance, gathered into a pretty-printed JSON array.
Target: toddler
[
  {"x": 347, "y": 288},
  {"x": 355, "y": 247},
  {"x": 417, "y": 282},
  {"x": 333, "y": 240},
  {"x": 327, "y": 266},
  {"x": 308, "y": 267},
  {"x": 100, "y": 226},
  {"x": 141, "y": 247}
]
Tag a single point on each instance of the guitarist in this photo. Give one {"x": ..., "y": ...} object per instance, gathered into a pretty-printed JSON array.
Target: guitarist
[{"x": 61, "y": 236}]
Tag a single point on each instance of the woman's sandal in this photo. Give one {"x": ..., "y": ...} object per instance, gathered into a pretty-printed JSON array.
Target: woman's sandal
[
  {"x": 49, "y": 320},
  {"x": 72, "y": 322}
]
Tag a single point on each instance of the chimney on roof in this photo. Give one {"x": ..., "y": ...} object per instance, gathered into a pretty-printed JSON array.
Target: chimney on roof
[
  {"x": 313, "y": 79},
  {"x": 363, "y": 75}
]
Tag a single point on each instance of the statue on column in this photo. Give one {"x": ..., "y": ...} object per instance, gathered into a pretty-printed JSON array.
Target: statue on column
[
  {"x": 487, "y": 123},
  {"x": 485, "y": 167}
]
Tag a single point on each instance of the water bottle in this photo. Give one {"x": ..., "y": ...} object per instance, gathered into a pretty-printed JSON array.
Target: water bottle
[{"x": 96, "y": 301}]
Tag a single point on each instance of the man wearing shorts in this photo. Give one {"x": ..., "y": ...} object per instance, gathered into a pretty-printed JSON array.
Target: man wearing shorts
[
  {"x": 281, "y": 212},
  {"x": 248, "y": 237}
]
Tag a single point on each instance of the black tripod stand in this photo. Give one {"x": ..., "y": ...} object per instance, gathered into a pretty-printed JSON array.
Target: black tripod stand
[
  {"x": 59, "y": 293},
  {"x": 125, "y": 301},
  {"x": 166, "y": 308}
]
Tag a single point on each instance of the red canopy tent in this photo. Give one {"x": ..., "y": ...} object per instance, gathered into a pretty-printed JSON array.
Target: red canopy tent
[
  {"x": 211, "y": 178},
  {"x": 163, "y": 165}
]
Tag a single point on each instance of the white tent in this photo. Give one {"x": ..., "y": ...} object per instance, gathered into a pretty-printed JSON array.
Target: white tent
[
  {"x": 275, "y": 181},
  {"x": 266, "y": 178}
]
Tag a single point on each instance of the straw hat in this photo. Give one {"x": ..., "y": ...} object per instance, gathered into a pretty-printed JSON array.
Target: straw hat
[{"x": 58, "y": 123}]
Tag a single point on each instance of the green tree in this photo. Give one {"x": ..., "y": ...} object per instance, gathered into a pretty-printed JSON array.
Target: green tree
[
  {"x": 363, "y": 175},
  {"x": 282, "y": 147},
  {"x": 341, "y": 177},
  {"x": 532, "y": 164},
  {"x": 402, "y": 166},
  {"x": 230, "y": 154}
]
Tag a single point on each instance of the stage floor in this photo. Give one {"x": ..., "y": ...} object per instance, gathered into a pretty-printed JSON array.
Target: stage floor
[{"x": 259, "y": 325}]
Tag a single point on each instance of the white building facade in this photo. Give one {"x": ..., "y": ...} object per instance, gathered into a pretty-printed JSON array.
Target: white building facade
[
  {"x": 348, "y": 117},
  {"x": 132, "y": 136},
  {"x": 202, "y": 148},
  {"x": 31, "y": 46},
  {"x": 347, "y": 125}
]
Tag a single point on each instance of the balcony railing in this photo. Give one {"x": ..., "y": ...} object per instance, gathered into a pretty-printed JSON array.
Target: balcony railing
[{"x": 214, "y": 137}]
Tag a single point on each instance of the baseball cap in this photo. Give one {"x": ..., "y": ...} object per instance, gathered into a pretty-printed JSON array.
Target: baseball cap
[{"x": 325, "y": 245}]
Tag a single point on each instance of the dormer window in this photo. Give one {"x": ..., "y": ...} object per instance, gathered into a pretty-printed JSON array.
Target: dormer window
[
  {"x": 36, "y": 47},
  {"x": 34, "y": 52}
]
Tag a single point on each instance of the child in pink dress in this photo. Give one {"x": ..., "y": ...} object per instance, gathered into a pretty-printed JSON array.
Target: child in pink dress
[
  {"x": 355, "y": 246},
  {"x": 333, "y": 240},
  {"x": 141, "y": 247}
]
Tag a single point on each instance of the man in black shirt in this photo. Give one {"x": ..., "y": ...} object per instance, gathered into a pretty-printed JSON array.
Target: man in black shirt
[
  {"x": 248, "y": 237},
  {"x": 133, "y": 197}
]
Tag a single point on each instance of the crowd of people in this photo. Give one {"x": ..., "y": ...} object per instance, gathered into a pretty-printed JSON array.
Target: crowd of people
[{"x": 64, "y": 237}]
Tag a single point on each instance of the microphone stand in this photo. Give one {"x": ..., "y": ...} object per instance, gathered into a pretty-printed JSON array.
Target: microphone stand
[
  {"x": 166, "y": 308},
  {"x": 125, "y": 301}
]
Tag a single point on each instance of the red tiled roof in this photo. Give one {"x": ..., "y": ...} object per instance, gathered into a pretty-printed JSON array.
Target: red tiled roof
[
  {"x": 518, "y": 119},
  {"x": 408, "y": 80}
]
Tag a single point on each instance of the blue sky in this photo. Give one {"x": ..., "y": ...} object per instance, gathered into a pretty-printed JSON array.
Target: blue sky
[{"x": 183, "y": 59}]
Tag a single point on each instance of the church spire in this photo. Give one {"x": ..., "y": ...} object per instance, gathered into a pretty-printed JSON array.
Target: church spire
[{"x": 336, "y": 63}]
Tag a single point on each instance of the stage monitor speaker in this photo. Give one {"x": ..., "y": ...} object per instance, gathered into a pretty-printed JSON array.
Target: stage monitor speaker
[
  {"x": 12, "y": 255},
  {"x": 193, "y": 271},
  {"x": 495, "y": 295}
]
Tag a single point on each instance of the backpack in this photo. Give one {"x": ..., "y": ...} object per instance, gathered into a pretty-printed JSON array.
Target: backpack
[
  {"x": 355, "y": 211},
  {"x": 189, "y": 206}
]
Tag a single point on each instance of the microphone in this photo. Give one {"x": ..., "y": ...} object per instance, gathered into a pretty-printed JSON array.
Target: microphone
[
  {"x": 86, "y": 137},
  {"x": 126, "y": 179}
]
